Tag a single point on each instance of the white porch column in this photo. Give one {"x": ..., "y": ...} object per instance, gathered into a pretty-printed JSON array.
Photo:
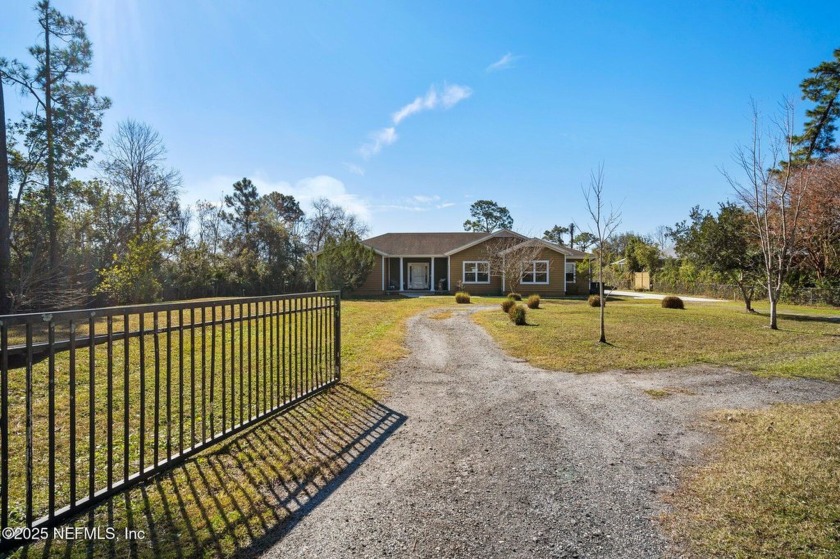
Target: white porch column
[
  {"x": 503, "y": 275},
  {"x": 432, "y": 276},
  {"x": 401, "y": 274},
  {"x": 383, "y": 273},
  {"x": 449, "y": 274}
]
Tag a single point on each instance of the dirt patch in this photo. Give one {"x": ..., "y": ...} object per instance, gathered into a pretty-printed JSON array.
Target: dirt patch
[{"x": 500, "y": 459}]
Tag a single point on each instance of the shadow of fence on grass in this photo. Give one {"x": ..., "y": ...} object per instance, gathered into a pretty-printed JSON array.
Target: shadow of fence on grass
[{"x": 242, "y": 496}]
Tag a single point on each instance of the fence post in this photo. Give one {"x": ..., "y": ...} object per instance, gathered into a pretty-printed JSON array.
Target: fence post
[{"x": 337, "y": 341}]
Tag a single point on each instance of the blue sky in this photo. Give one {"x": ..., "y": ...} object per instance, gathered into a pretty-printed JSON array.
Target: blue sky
[{"x": 407, "y": 112}]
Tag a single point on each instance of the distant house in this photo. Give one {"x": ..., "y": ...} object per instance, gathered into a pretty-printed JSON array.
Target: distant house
[{"x": 440, "y": 262}]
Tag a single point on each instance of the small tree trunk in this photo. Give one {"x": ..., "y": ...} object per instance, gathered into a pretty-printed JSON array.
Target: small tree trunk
[
  {"x": 773, "y": 295},
  {"x": 5, "y": 233},
  {"x": 747, "y": 295},
  {"x": 52, "y": 226},
  {"x": 602, "y": 301}
]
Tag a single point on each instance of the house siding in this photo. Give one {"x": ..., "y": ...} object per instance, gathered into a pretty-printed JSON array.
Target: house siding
[
  {"x": 556, "y": 276},
  {"x": 581, "y": 285},
  {"x": 474, "y": 253},
  {"x": 556, "y": 273},
  {"x": 556, "y": 287},
  {"x": 373, "y": 283}
]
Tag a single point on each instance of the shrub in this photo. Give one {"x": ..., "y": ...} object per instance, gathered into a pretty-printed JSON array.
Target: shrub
[
  {"x": 594, "y": 300},
  {"x": 462, "y": 297},
  {"x": 533, "y": 301},
  {"x": 507, "y": 304},
  {"x": 515, "y": 296},
  {"x": 671, "y": 302},
  {"x": 517, "y": 315}
]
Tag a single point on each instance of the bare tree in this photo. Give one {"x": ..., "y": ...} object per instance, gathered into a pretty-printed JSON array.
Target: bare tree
[
  {"x": 510, "y": 258},
  {"x": 211, "y": 226},
  {"x": 330, "y": 220},
  {"x": 773, "y": 193},
  {"x": 661, "y": 238},
  {"x": 134, "y": 168},
  {"x": 604, "y": 224}
]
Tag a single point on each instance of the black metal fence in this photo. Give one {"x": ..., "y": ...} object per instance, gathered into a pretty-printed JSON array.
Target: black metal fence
[{"x": 94, "y": 401}]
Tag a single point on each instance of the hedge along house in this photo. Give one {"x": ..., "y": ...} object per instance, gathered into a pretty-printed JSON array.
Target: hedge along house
[{"x": 476, "y": 262}]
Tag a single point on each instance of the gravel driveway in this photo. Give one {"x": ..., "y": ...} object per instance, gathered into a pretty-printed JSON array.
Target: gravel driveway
[{"x": 499, "y": 459}]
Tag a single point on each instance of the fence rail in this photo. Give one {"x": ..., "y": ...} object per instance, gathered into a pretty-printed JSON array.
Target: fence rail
[{"x": 94, "y": 401}]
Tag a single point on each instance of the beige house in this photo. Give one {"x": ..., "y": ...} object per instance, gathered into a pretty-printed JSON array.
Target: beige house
[{"x": 480, "y": 263}]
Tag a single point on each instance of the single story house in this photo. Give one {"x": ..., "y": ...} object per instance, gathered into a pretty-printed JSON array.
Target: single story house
[{"x": 479, "y": 263}]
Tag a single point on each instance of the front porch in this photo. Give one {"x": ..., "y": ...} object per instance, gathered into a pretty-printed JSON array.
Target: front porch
[{"x": 416, "y": 274}]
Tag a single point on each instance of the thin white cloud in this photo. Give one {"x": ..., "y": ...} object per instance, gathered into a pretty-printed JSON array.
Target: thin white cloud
[
  {"x": 454, "y": 94},
  {"x": 355, "y": 169},
  {"x": 444, "y": 98},
  {"x": 423, "y": 199},
  {"x": 378, "y": 140},
  {"x": 427, "y": 102},
  {"x": 448, "y": 97},
  {"x": 305, "y": 191},
  {"x": 445, "y": 205},
  {"x": 503, "y": 63}
]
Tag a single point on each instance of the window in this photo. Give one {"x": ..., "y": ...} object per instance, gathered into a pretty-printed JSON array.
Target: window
[
  {"x": 535, "y": 271},
  {"x": 476, "y": 272},
  {"x": 571, "y": 270}
]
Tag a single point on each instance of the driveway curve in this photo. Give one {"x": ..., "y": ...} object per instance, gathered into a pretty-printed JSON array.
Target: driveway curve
[{"x": 500, "y": 459}]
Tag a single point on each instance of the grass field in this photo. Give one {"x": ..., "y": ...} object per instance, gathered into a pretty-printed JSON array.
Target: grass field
[
  {"x": 563, "y": 334},
  {"x": 771, "y": 488}
]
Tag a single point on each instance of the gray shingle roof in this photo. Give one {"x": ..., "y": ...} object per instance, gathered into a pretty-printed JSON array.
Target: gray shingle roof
[{"x": 414, "y": 244}]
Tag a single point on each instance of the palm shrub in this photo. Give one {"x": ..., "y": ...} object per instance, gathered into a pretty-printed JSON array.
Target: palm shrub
[
  {"x": 594, "y": 300},
  {"x": 515, "y": 296},
  {"x": 507, "y": 304},
  {"x": 533, "y": 302},
  {"x": 671, "y": 302},
  {"x": 517, "y": 315},
  {"x": 462, "y": 297}
]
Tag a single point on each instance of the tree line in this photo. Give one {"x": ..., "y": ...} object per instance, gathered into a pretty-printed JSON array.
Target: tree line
[{"x": 124, "y": 236}]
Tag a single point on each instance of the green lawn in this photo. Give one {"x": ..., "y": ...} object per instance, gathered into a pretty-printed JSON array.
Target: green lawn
[
  {"x": 771, "y": 488},
  {"x": 562, "y": 335}
]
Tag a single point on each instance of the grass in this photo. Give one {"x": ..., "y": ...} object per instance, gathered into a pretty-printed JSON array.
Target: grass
[
  {"x": 373, "y": 336},
  {"x": 771, "y": 489},
  {"x": 659, "y": 393},
  {"x": 643, "y": 335},
  {"x": 443, "y": 315},
  {"x": 235, "y": 495}
]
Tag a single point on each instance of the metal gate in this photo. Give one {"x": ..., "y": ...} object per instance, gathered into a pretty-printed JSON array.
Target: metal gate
[{"x": 94, "y": 401}]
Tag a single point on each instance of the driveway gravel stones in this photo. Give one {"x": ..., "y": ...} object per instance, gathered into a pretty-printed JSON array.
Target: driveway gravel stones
[{"x": 500, "y": 459}]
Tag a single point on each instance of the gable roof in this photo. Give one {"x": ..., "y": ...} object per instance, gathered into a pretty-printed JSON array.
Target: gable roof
[
  {"x": 562, "y": 249},
  {"x": 498, "y": 234},
  {"x": 425, "y": 244},
  {"x": 446, "y": 244}
]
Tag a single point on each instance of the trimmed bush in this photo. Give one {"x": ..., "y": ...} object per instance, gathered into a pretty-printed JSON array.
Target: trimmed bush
[
  {"x": 533, "y": 301},
  {"x": 507, "y": 304},
  {"x": 517, "y": 315},
  {"x": 594, "y": 300},
  {"x": 462, "y": 297},
  {"x": 515, "y": 296},
  {"x": 671, "y": 302}
]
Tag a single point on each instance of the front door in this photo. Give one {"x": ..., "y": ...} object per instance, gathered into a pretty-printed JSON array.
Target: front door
[{"x": 418, "y": 276}]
